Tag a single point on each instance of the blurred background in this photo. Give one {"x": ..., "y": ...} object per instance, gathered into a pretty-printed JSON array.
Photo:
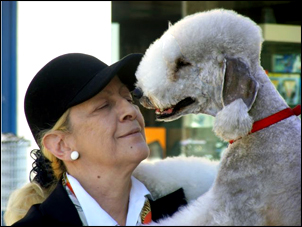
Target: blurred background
[{"x": 32, "y": 33}]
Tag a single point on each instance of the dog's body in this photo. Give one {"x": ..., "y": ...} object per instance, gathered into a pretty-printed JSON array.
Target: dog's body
[
  {"x": 214, "y": 59},
  {"x": 195, "y": 175}
]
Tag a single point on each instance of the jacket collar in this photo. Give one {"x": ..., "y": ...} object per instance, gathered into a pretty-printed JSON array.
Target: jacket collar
[
  {"x": 166, "y": 206},
  {"x": 59, "y": 207}
]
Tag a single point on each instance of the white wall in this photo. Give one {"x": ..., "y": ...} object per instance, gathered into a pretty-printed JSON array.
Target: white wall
[{"x": 47, "y": 29}]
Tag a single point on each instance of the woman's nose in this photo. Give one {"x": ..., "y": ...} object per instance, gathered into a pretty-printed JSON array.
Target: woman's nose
[{"x": 128, "y": 111}]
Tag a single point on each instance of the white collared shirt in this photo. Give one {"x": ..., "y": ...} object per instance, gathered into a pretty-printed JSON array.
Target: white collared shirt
[{"x": 94, "y": 213}]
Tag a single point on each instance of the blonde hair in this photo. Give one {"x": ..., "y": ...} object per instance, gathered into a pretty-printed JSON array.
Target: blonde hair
[{"x": 32, "y": 193}]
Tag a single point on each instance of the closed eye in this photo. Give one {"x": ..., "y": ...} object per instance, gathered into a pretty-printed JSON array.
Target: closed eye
[
  {"x": 180, "y": 63},
  {"x": 130, "y": 100},
  {"x": 103, "y": 106}
]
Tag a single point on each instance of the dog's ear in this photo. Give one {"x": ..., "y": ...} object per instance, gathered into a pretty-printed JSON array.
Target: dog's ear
[{"x": 238, "y": 83}]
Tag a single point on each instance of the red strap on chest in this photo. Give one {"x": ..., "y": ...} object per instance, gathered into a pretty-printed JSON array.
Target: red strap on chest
[{"x": 70, "y": 188}]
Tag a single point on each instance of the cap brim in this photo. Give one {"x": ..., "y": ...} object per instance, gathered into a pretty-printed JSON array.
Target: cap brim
[{"x": 125, "y": 69}]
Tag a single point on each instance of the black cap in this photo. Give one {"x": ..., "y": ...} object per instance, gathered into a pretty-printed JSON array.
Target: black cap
[{"x": 68, "y": 80}]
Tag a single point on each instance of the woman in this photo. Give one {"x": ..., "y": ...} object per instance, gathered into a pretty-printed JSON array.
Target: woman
[{"x": 91, "y": 137}]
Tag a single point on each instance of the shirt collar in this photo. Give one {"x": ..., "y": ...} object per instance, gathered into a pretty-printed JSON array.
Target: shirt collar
[
  {"x": 136, "y": 201},
  {"x": 94, "y": 213}
]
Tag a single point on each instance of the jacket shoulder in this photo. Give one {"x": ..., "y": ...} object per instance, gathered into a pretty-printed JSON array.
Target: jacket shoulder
[
  {"x": 34, "y": 217},
  {"x": 56, "y": 210}
]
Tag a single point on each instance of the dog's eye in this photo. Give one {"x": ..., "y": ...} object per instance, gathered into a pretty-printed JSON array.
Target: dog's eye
[{"x": 181, "y": 63}]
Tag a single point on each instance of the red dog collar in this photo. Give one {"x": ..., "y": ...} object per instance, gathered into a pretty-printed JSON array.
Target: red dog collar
[{"x": 279, "y": 116}]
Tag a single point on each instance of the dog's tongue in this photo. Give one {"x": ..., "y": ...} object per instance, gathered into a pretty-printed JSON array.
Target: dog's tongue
[{"x": 167, "y": 111}]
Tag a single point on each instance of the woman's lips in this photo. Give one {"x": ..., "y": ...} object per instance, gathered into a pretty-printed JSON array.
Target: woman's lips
[{"x": 131, "y": 132}]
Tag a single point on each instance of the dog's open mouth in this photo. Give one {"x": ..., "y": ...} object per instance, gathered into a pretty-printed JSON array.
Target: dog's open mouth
[{"x": 174, "y": 109}]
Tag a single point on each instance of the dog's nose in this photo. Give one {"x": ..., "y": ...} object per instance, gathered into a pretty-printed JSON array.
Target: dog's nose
[{"x": 137, "y": 93}]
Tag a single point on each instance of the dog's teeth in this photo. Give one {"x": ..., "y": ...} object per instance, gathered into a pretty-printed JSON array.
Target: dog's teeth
[{"x": 168, "y": 111}]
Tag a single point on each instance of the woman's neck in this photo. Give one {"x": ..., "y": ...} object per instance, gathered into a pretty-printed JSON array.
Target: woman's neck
[{"x": 110, "y": 189}]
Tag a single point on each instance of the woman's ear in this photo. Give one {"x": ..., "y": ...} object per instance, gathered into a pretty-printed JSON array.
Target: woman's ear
[{"x": 56, "y": 143}]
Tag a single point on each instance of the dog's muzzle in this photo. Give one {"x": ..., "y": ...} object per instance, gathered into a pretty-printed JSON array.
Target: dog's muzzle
[
  {"x": 144, "y": 100},
  {"x": 137, "y": 93}
]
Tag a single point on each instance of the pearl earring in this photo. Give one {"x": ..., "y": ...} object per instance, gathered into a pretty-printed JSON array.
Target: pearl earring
[{"x": 74, "y": 155}]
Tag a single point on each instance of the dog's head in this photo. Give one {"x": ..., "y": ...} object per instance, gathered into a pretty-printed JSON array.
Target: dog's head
[{"x": 201, "y": 64}]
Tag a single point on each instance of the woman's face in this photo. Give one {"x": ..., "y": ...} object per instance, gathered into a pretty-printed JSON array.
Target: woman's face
[{"x": 108, "y": 129}]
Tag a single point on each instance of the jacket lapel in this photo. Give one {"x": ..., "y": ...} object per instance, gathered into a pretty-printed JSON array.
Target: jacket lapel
[
  {"x": 167, "y": 205},
  {"x": 59, "y": 207}
]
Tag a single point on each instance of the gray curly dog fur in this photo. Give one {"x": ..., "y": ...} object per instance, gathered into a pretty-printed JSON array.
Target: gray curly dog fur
[{"x": 213, "y": 57}]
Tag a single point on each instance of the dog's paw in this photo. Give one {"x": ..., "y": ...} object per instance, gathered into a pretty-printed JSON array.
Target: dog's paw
[{"x": 233, "y": 121}]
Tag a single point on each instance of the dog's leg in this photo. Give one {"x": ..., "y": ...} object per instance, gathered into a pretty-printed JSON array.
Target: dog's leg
[
  {"x": 194, "y": 174},
  {"x": 203, "y": 211}
]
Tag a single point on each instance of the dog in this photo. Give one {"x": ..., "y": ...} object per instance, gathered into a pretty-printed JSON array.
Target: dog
[
  {"x": 162, "y": 177},
  {"x": 209, "y": 63}
]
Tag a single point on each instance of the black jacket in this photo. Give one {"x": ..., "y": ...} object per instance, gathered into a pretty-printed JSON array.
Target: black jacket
[{"x": 58, "y": 209}]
